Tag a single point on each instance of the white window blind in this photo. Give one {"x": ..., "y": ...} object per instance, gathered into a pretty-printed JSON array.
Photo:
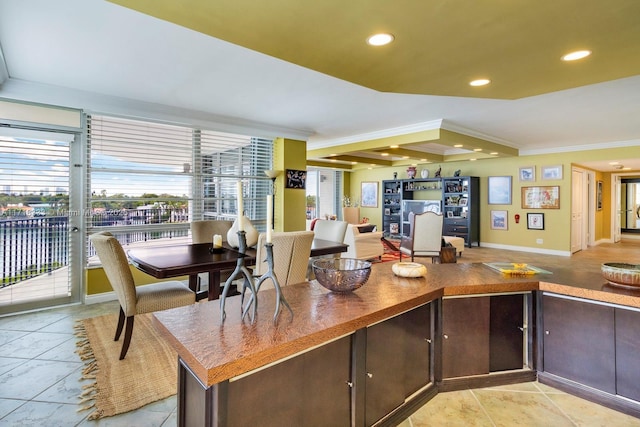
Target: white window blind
[{"x": 147, "y": 181}]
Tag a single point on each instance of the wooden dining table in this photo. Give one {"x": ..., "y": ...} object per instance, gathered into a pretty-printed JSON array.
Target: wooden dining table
[{"x": 192, "y": 259}]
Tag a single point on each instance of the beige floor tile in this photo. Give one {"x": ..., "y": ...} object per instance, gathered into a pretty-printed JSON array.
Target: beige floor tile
[
  {"x": 507, "y": 408},
  {"x": 451, "y": 409},
  {"x": 585, "y": 413}
]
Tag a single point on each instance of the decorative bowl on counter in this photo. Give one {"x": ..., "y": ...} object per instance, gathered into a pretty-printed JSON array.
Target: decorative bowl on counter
[
  {"x": 408, "y": 269},
  {"x": 621, "y": 274},
  {"x": 341, "y": 274}
]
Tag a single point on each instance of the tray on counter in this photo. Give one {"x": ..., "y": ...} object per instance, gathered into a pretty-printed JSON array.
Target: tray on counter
[{"x": 516, "y": 269}]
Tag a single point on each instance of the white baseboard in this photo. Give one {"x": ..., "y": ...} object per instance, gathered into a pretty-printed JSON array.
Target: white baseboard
[{"x": 525, "y": 249}]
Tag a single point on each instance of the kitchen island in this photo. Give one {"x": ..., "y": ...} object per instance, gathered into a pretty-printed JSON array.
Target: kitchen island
[{"x": 216, "y": 356}]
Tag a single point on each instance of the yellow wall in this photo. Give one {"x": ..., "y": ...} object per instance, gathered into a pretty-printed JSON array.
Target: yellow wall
[
  {"x": 290, "y": 204},
  {"x": 556, "y": 235}
]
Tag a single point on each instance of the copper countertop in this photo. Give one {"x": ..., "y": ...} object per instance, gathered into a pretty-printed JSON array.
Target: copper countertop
[{"x": 217, "y": 351}]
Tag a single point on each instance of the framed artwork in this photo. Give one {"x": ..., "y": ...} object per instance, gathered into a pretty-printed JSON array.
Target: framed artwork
[
  {"x": 599, "y": 195},
  {"x": 499, "y": 220},
  {"x": 387, "y": 211},
  {"x": 394, "y": 228},
  {"x": 463, "y": 201},
  {"x": 499, "y": 190},
  {"x": 449, "y": 214},
  {"x": 369, "y": 194},
  {"x": 295, "y": 179},
  {"x": 541, "y": 197},
  {"x": 528, "y": 173},
  {"x": 551, "y": 172},
  {"x": 535, "y": 221}
]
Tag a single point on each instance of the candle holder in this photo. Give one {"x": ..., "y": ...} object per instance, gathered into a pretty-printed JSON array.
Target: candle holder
[
  {"x": 270, "y": 275},
  {"x": 240, "y": 270}
]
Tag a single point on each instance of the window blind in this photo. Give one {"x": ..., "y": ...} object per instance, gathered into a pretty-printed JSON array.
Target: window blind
[{"x": 147, "y": 181}]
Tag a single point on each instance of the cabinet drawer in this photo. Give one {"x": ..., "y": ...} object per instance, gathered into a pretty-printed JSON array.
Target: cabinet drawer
[
  {"x": 456, "y": 221},
  {"x": 449, "y": 228}
]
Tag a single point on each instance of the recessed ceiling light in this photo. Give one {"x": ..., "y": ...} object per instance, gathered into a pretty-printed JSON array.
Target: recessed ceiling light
[
  {"x": 380, "y": 39},
  {"x": 494, "y": 153},
  {"x": 472, "y": 160},
  {"x": 423, "y": 160},
  {"x": 477, "y": 149},
  {"x": 458, "y": 146},
  {"x": 578, "y": 54},
  {"x": 393, "y": 146},
  {"x": 354, "y": 163},
  {"x": 480, "y": 82},
  {"x": 384, "y": 154},
  {"x": 405, "y": 157},
  {"x": 614, "y": 163}
]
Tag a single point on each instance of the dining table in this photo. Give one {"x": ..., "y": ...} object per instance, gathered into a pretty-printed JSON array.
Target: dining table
[{"x": 164, "y": 262}]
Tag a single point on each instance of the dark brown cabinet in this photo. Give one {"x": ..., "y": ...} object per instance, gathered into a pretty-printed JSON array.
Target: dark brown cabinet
[
  {"x": 482, "y": 334},
  {"x": 579, "y": 342},
  {"x": 398, "y": 361},
  {"x": 315, "y": 382},
  {"x": 627, "y": 353},
  {"x": 461, "y": 208}
]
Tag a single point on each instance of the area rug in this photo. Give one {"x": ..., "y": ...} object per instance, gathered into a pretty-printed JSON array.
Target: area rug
[{"x": 148, "y": 373}]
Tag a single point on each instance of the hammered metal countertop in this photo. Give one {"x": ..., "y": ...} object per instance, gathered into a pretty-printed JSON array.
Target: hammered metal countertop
[{"x": 217, "y": 351}]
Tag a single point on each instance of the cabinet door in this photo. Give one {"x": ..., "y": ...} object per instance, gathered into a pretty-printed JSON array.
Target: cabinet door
[
  {"x": 417, "y": 366},
  {"x": 286, "y": 393},
  {"x": 627, "y": 353},
  {"x": 506, "y": 333},
  {"x": 398, "y": 361},
  {"x": 465, "y": 340},
  {"x": 579, "y": 342},
  {"x": 384, "y": 364}
]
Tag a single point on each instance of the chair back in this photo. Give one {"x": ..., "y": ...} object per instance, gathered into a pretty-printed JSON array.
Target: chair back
[
  {"x": 203, "y": 231},
  {"x": 291, "y": 251},
  {"x": 426, "y": 231},
  {"x": 333, "y": 231},
  {"x": 116, "y": 266}
]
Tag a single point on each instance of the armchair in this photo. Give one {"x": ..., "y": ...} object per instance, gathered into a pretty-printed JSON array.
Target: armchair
[
  {"x": 425, "y": 236},
  {"x": 362, "y": 245}
]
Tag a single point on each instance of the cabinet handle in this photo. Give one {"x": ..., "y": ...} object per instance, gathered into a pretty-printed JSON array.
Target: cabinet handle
[
  {"x": 369, "y": 374},
  {"x": 546, "y": 332},
  {"x": 521, "y": 328},
  {"x": 446, "y": 337},
  {"x": 349, "y": 383},
  {"x": 428, "y": 340}
]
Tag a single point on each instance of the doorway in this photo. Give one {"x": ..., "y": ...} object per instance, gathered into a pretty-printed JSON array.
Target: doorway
[
  {"x": 630, "y": 205},
  {"x": 39, "y": 253}
]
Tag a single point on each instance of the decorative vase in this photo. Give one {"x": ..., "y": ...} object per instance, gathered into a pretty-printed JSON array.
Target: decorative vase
[
  {"x": 411, "y": 172},
  {"x": 424, "y": 173},
  {"x": 251, "y": 234}
]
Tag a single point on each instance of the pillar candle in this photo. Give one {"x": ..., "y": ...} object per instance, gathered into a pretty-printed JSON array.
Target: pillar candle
[
  {"x": 269, "y": 216},
  {"x": 240, "y": 207},
  {"x": 217, "y": 241}
]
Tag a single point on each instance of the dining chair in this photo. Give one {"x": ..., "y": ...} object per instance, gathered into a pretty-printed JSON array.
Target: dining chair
[
  {"x": 291, "y": 252},
  {"x": 203, "y": 231},
  {"x": 135, "y": 299},
  {"x": 333, "y": 231},
  {"x": 425, "y": 236}
]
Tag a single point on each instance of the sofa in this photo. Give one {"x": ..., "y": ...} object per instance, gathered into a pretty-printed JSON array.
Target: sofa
[{"x": 364, "y": 242}]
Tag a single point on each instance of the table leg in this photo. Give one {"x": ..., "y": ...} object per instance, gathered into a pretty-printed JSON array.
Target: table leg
[{"x": 214, "y": 285}]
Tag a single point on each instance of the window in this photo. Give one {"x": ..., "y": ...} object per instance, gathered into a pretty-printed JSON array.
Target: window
[
  {"x": 324, "y": 194},
  {"x": 147, "y": 181}
]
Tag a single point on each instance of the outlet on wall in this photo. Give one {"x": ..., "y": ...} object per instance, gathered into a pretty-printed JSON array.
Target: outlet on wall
[{"x": 539, "y": 241}]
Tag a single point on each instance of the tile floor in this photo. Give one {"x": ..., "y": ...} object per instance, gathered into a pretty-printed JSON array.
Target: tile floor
[{"x": 40, "y": 372}]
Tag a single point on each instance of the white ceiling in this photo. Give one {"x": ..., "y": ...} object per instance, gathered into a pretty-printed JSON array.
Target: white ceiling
[{"x": 99, "y": 56}]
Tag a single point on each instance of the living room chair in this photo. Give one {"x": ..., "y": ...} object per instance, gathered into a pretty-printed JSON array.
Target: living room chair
[
  {"x": 333, "y": 231},
  {"x": 425, "y": 236},
  {"x": 135, "y": 300},
  {"x": 364, "y": 242}
]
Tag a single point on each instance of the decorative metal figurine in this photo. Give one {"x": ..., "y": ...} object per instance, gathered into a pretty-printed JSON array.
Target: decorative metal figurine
[{"x": 240, "y": 270}]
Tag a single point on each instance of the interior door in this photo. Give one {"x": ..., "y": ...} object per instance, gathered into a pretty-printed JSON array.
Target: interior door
[
  {"x": 577, "y": 210},
  {"x": 618, "y": 209},
  {"x": 36, "y": 226}
]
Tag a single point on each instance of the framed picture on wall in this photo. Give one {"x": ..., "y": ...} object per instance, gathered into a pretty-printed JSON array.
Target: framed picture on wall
[
  {"x": 551, "y": 172},
  {"x": 599, "y": 195},
  {"x": 369, "y": 194},
  {"x": 541, "y": 197},
  {"x": 295, "y": 179},
  {"x": 535, "y": 221},
  {"x": 499, "y": 220},
  {"x": 499, "y": 190},
  {"x": 528, "y": 173}
]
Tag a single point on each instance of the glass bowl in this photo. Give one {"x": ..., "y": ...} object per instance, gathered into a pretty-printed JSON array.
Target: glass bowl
[{"x": 341, "y": 274}]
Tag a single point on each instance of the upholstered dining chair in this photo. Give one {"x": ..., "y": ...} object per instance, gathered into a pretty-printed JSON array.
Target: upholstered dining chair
[
  {"x": 203, "y": 231},
  {"x": 425, "y": 236},
  {"x": 135, "y": 300},
  {"x": 291, "y": 251},
  {"x": 325, "y": 229}
]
